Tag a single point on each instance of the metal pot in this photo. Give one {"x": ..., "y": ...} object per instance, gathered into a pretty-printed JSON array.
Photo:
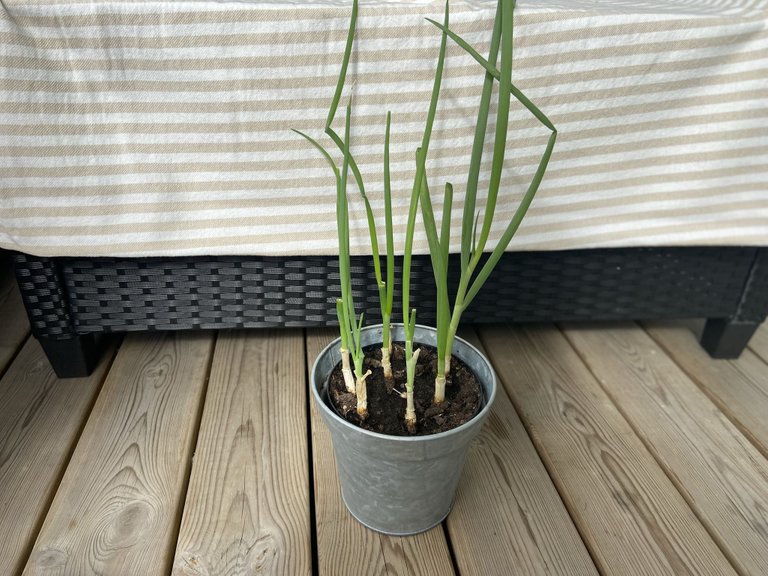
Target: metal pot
[{"x": 393, "y": 484}]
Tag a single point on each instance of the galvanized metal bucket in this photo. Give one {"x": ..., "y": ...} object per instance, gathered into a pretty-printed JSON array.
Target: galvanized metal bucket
[{"x": 400, "y": 485}]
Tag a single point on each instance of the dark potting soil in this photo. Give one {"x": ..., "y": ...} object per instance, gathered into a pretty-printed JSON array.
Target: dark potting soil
[{"x": 386, "y": 408}]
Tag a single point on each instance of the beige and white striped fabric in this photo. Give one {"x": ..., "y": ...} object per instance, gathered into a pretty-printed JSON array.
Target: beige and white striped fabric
[{"x": 163, "y": 127}]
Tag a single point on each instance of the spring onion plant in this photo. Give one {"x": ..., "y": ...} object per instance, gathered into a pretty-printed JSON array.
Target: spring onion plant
[
  {"x": 475, "y": 231},
  {"x": 386, "y": 292},
  {"x": 409, "y": 314},
  {"x": 385, "y": 288},
  {"x": 473, "y": 238},
  {"x": 350, "y": 324}
]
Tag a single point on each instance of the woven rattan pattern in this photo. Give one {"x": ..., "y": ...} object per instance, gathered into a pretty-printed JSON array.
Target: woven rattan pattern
[
  {"x": 754, "y": 304},
  {"x": 109, "y": 294},
  {"x": 43, "y": 294}
]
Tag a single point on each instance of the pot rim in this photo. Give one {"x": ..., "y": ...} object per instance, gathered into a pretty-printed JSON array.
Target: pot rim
[{"x": 477, "y": 418}]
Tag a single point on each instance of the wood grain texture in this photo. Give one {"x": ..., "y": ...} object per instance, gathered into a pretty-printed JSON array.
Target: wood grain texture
[
  {"x": 720, "y": 473},
  {"x": 631, "y": 516},
  {"x": 507, "y": 511},
  {"x": 118, "y": 506},
  {"x": 759, "y": 342},
  {"x": 247, "y": 506},
  {"x": 14, "y": 325},
  {"x": 346, "y": 547},
  {"x": 40, "y": 421},
  {"x": 739, "y": 387}
]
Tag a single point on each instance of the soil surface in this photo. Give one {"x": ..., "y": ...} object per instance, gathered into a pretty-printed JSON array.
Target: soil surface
[{"x": 386, "y": 408}]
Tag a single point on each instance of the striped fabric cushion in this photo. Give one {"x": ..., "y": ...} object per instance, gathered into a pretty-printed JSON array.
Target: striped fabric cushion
[{"x": 163, "y": 127}]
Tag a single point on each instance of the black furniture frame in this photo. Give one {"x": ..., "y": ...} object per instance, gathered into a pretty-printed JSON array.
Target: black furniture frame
[{"x": 71, "y": 301}]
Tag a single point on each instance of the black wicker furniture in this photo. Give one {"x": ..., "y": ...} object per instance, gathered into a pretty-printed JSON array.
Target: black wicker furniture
[{"x": 71, "y": 301}]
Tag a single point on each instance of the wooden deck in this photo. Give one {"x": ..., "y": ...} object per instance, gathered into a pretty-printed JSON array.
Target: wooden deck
[{"x": 615, "y": 449}]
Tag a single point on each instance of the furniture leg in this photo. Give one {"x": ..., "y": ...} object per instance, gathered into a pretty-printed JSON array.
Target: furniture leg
[
  {"x": 74, "y": 357},
  {"x": 45, "y": 298},
  {"x": 727, "y": 337}
]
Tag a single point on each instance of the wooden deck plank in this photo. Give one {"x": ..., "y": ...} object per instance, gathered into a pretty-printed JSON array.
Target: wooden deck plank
[
  {"x": 247, "y": 506},
  {"x": 738, "y": 387},
  {"x": 118, "y": 507},
  {"x": 15, "y": 325},
  {"x": 40, "y": 420},
  {"x": 719, "y": 472},
  {"x": 630, "y": 515},
  {"x": 508, "y": 516},
  {"x": 759, "y": 342},
  {"x": 346, "y": 546}
]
